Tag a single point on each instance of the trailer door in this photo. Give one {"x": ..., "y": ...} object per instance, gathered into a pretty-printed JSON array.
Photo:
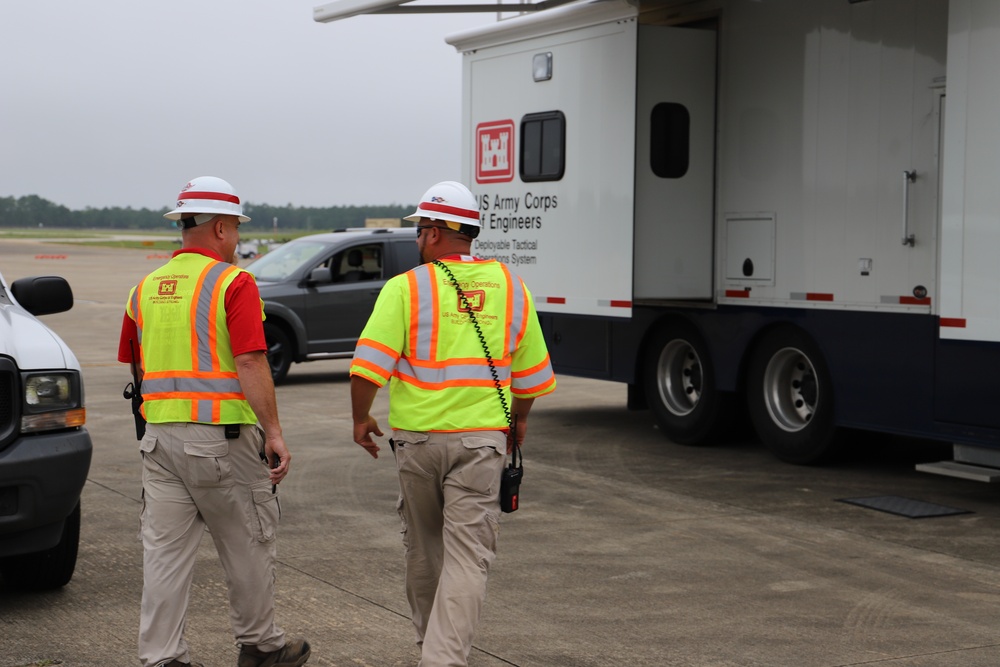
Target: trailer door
[{"x": 675, "y": 163}]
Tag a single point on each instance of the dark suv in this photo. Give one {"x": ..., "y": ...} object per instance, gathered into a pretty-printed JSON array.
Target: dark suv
[{"x": 319, "y": 290}]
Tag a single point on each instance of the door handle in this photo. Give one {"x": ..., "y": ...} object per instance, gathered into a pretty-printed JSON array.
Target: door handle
[{"x": 908, "y": 177}]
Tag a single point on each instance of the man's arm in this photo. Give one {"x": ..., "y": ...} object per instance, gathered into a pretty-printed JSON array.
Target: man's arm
[
  {"x": 522, "y": 406},
  {"x": 258, "y": 387},
  {"x": 362, "y": 396}
]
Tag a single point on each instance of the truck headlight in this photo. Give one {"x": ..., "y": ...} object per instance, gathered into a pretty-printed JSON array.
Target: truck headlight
[{"x": 52, "y": 400}]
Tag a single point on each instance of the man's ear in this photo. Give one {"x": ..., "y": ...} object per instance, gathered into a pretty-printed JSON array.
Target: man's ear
[{"x": 220, "y": 226}]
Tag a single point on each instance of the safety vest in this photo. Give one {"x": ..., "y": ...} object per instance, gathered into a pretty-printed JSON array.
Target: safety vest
[
  {"x": 189, "y": 374},
  {"x": 420, "y": 339}
]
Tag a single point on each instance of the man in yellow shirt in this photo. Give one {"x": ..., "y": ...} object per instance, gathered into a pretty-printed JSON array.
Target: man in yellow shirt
[{"x": 455, "y": 381}]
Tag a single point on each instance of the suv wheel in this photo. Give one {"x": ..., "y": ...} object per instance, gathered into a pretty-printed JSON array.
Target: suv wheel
[
  {"x": 279, "y": 351},
  {"x": 47, "y": 569}
]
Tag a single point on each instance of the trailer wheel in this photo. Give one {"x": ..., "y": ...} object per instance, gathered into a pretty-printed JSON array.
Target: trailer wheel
[
  {"x": 790, "y": 398},
  {"x": 279, "y": 351},
  {"x": 680, "y": 385}
]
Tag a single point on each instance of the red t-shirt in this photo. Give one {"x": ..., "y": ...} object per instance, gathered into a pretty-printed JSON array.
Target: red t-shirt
[{"x": 246, "y": 332}]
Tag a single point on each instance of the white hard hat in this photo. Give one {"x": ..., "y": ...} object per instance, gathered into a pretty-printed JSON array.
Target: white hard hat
[
  {"x": 449, "y": 201},
  {"x": 208, "y": 195}
]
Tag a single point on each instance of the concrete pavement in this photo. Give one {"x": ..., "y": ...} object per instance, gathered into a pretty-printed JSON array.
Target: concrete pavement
[{"x": 627, "y": 550}]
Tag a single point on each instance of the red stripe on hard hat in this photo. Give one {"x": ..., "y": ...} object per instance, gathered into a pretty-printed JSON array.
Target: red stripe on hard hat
[
  {"x": 218, "y": 196},
  {"x": 441, "y": 208}
]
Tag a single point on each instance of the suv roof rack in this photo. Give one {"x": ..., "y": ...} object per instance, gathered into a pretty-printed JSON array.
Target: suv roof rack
[{"x": 373, "y": 230}]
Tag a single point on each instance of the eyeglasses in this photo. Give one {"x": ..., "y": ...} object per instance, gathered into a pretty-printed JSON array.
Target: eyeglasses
[{"x": 420, "y": 228}]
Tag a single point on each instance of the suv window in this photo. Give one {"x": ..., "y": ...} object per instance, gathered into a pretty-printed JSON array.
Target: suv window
[
  {"x": 281, "y": 263},
  {"x": 356, "y": 264}
]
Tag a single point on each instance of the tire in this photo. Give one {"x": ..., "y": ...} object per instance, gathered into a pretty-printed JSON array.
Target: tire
[
  {"x": 279, "y": 351},
  {"x": 679, "y": 383},
  {"x": 49, "y": 569},
  {"x": 790, "y": 398}
]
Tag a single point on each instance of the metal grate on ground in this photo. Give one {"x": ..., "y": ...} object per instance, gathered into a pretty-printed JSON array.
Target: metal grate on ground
[{"x": 912, "y": 509}]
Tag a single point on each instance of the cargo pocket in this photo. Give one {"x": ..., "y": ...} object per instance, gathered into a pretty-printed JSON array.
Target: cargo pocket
[
  {"x": 264, "y": 511},
  {"x": 146, "y": 447},
  {"x": 148, "y": 443},
  {"x": 402, "y": 521},
  {"x": 142, "y": 515},
  {"x": 480, "y": 472},
  {"x": 407, "y": 444},
  {"x": 208, "y": 463}
]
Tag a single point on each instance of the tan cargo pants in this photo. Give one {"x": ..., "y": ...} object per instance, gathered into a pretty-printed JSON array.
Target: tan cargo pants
[
  {"x": 450, "y": 509},
  {"x": 193, "y": 478}
]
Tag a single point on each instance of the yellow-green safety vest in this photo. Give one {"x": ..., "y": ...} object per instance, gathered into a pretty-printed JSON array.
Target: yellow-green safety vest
[
  {"x": 189, "y": 374},
  {"x": 420, "y": 339}
]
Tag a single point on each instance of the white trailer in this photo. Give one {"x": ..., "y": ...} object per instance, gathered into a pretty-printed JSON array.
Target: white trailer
[{"x": 759, "y": 205}]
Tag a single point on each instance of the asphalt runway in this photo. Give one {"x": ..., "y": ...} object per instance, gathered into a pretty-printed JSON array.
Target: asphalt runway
[{"x": 627, "y": 549}]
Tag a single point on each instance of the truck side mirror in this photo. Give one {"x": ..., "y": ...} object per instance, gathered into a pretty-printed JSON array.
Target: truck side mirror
[{"x": 43, "y": 295}]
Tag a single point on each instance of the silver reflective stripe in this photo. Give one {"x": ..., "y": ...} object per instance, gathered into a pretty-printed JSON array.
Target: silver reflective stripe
[
  {"x": 540, "y": 376},
  {"x": 203, "y": 313},
  {"x": 452, "y": 372},
  {"x": 205, "y": 411},
  {"x": 425, "y": 312},
  {"x": 191, "y": 385},
  {"x": 374, "y": 356},
  {"x": 517, "y": 316}
]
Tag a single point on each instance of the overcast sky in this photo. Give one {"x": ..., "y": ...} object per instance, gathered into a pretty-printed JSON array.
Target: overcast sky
[{"x": 120, "y": 102}]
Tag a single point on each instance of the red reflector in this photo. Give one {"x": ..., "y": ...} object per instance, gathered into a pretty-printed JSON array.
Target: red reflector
[
  {"x": 816, "y": 296},
  {"x": 914, "y": 301},
  {"x": 957, "y": 322},
  {"x": 621, "y": 304},
  {"x": 555, "y": 299},
  {"x": 738, "y": 293}
]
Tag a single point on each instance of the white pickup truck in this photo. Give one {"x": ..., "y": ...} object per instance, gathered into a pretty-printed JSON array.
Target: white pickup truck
[{"x": 45, "y": 450}]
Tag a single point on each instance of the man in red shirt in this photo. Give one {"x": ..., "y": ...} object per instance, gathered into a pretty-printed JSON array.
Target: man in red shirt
[{"x": 212, "y": 427}]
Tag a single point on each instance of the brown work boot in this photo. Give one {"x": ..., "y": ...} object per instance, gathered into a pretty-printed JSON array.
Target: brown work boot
[{"x": 293, "y": 654}]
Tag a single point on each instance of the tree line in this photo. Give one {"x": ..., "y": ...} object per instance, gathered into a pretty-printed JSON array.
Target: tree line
[{"x": 34, "y": 211}]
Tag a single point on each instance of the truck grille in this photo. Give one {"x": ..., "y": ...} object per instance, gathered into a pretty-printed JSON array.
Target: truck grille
[{"x": 9, "y": 405}]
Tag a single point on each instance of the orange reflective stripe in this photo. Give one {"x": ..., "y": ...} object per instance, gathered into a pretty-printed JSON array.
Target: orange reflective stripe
[
  {"x": 525, "y": 313},
  {"x": 374, "y": 368},
  {"x": 194, "y": 395},
  {"x": 537, "y": 389},
  {"x": 534, "y": 369},
  {"x": 209, "y": 375},
  {"x": 137, "y": 317},
  {"x": 411, "y": 278},
  {"x": 508, "y": 311},
  {"x": 412, "y": 381},
  {"x": 457, "y": 361}
]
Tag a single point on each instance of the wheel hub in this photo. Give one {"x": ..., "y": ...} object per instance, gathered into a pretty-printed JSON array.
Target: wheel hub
[
  {"x": 791, "y": 391},
  {"x": 679, "y": 377}
]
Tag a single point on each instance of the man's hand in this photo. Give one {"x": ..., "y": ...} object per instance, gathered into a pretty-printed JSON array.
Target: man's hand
[
  {"x": 362, "y": 396},
  {"x": 275, "y": 448},
  {"x": 363, "y": 435}
]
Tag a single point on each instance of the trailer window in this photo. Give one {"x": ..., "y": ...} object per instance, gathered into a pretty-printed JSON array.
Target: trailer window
[
  {"x": 669, "y": 140},
  {"x": 543, "y": 146}
]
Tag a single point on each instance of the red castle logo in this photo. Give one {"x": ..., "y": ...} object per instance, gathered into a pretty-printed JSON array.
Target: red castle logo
[{"x": 495, "y": 151}]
